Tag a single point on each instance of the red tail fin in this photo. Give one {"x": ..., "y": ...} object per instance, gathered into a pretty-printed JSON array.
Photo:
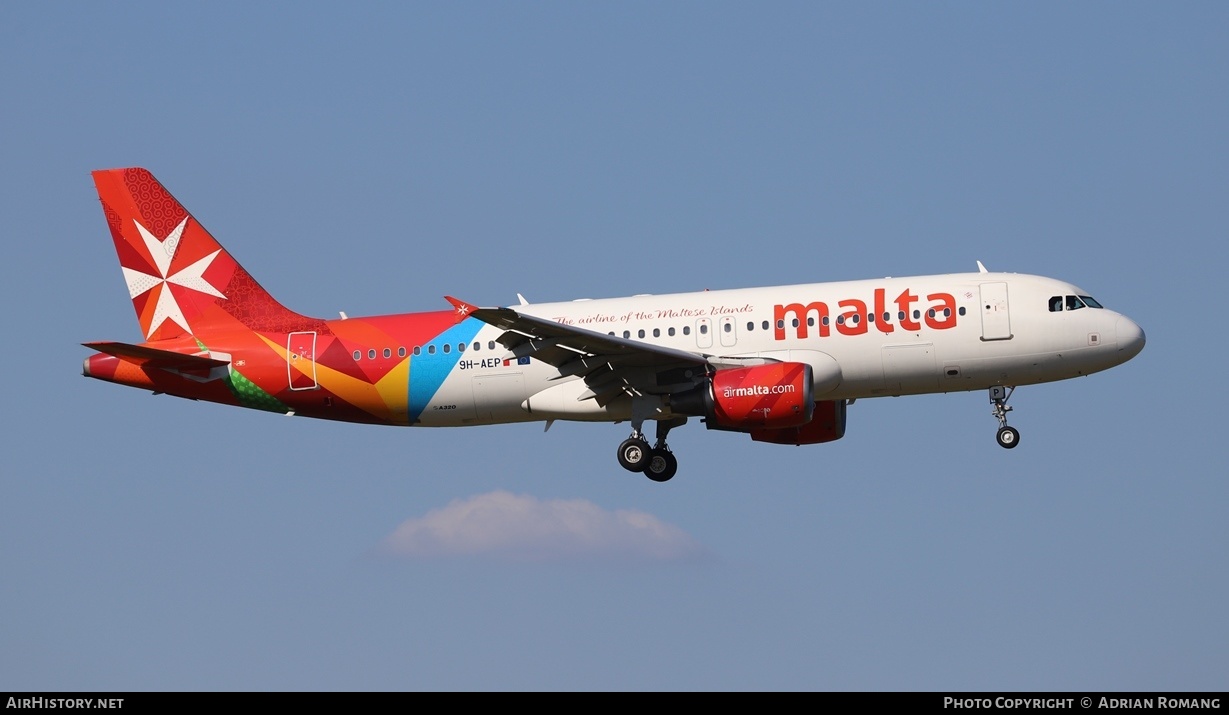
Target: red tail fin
[{"x": 180, "y": 279}]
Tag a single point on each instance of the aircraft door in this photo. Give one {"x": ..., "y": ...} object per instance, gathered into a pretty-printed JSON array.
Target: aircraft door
[
  {"x": 729, "y": 332},
  {"x": 301, "y": 361},
  {"x": 995, "y": 318}
]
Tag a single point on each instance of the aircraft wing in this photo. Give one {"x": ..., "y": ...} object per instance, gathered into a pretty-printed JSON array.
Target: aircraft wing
[
  {"x": 609, "y": 364},
  {"x": 558, "y": 344}
]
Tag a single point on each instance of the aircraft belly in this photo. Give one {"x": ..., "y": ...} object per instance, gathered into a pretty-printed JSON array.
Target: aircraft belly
[
  {"x": 573, "y": 401},
  {"x": 1033, "y": 368}
]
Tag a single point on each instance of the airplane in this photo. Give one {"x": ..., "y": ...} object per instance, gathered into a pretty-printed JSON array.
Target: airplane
[{"x": 780, "y": 364}]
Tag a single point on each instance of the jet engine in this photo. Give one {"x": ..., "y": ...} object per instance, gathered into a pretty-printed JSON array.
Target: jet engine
[{"x": 764, "y": 397}]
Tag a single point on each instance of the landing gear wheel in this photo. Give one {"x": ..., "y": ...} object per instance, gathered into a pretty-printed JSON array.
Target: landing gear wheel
[
  {"x": 1008, "y": 437},
  {"x": 661, "y": 465},
  {"x": 634, "y": 454}
]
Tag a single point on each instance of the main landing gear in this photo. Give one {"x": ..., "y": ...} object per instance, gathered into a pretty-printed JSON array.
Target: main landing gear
[
  {"x": 657, "y": 462},
  {"x": 1007, "y": 437}
]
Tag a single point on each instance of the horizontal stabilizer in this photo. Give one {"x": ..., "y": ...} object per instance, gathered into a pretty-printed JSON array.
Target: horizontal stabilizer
[{"x": 153, "y": 357}]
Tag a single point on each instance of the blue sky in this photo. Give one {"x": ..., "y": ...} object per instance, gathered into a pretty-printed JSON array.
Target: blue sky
[{"x": 372, "y": 159}]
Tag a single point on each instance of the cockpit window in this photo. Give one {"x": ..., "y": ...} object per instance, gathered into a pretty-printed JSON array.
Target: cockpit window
[{"x": 1072, "y": 302}]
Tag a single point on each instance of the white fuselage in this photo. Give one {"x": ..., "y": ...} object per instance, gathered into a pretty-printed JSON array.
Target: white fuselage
[{"x": 868, "y": 338}]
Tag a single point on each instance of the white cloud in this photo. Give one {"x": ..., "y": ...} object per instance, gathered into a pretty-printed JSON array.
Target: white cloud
[{"x": 524, "y": 528}]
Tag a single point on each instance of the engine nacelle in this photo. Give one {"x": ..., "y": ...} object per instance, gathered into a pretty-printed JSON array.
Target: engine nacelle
[
  {"x": 827, "y": 425},
  {"x": 774, "y": 396}
]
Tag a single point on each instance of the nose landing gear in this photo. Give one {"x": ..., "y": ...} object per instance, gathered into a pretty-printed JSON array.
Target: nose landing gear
[{"x": 1007, "y": 437}]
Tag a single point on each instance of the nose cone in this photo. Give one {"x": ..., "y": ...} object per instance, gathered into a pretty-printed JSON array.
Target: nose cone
[{"x": 1130, "y": 338}]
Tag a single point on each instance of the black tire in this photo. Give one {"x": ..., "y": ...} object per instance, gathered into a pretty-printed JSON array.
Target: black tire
[
  {"x": 661, "y": 465},
  {"x": 1008, "y": 437},
  {"x": 634, "y": 454}
]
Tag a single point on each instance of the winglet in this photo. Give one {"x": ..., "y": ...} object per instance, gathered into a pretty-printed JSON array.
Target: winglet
[
  {"x": 463, "y": 309},
  {"x": 981, "y": 268}
]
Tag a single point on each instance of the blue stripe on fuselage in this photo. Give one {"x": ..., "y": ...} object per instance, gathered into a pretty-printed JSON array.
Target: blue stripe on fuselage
[{"x": 428, "y": 372}]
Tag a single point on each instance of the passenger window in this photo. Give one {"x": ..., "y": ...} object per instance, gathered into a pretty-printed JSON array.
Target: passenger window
[
  {"x": 477, "y": 345},
  {"x": 670, "y": 332},
  {"x": 780, "y": 324},
  {"x": 704, "y": 329},
  {"x": 371, "y": 354},
  {"x": 640, "y": 333},
  {"x": 460, "y": 347},
  {"x": 657, "y": 332},
  {"x": 358, "y": 354},
  {"x": 840, "y": 320},
  {"x": 401, "y": 351},
  {"x": 417, "y": 350},
  {"x": 727, "y": 327},
  {"x": 627, "y": 334},
  {"x": 750, "y": 326},
  {"x": 795, "y": 322},
  {"x": 490, "y": 345},
  {"x": 388, "y": 353},
  {"x": 961, "y": 311},
  {"x": 810, "y": 322},
  {"x": 887, "y": 317},
  {"x": 447, "y": 348},
  {"x": 686, "y": 330},
  {"x": 917, "y": 314},
  {"x": 765, "y": 325},
  {"x": 430, "y": 349},
  {"x": 870, "y": 317}
]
